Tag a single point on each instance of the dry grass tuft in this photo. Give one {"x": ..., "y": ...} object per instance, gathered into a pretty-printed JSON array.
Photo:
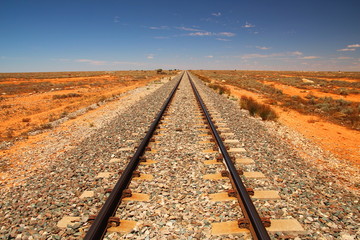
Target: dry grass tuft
[{"x": 257, "y": 109}]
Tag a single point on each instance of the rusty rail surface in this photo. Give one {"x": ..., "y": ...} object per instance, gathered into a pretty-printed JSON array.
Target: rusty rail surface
[
  {"x": 100, "y": 224},
  {"x": 257, "y": 227}
]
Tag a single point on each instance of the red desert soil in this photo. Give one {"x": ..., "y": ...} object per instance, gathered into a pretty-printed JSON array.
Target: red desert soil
[
  {"x": 289, "y": 90},
  {"x": 339, "y": 140},
  {"x": 329, "y": 79},
  {"x": 37, "y": 100},
  {"x": 23, "y": 111}
]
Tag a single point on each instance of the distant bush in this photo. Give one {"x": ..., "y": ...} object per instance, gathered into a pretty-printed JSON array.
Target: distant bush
[
  {"x": 342, "y": 112},
  {"x": 26, "y": 119},
  {"x": 218, "y": 87},
  {"x": 255, "y": 108},
  {"x": 69, "y": 95}
]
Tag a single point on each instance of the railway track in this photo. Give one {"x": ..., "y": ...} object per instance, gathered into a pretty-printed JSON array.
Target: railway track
[{"x": 187, "y": 162}]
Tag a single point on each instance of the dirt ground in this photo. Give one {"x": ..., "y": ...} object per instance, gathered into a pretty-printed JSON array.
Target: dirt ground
[
  {"x": 339, "y": 140},
  {"x": 24, "y": 111},
  {"x": 292, "y": 91}
]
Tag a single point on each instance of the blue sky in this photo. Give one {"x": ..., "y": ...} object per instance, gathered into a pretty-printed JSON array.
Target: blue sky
[{"x": 89, "y": 35}]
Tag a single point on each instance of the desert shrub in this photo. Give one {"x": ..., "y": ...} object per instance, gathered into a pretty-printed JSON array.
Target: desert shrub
[
  {"x": 256, "y": 108},
  {"x": 5, "y": 106},
  {"x": 69, "y": 95},
  {"x": 26, "y": 119},
  {"x": 343, "y": 91},
  {"x": 223, "y": 89},
  {"x": 64, "y": 114},
  {"x": 45, "y": 126},
  {"x": 266, "y": 113},
  {"x": 218, "y": 87}
]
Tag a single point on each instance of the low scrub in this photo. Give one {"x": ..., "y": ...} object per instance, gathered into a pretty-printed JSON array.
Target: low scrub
[
  {"x": 219, "y": 88},
  {"x": 257, "y": 109},
  {"x": 69, "y": 95}
]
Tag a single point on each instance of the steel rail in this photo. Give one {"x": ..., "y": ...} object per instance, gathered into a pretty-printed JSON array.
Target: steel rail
[
  {"x": 99, "y": 226},
  {"x": 256, "y": 226}
]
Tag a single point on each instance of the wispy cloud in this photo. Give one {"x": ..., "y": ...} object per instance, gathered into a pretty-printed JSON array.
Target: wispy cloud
[
  {"x": 346, "y": 50},
  {"x": 248, "y": 25},
  {"x": 92, "y": 62},
  {"x": 218, "y": 14},
  {"x": 295, "y": 53},
  {"x": 262, "y": 47},
  {"x": 189, "y": 29},
  {"x": 210, "y": 56},
  {"x": 223, "y": 39},
  {"x": 353, "y": 46},
  {"x": 226, "y": 34},
  {"x": 159, "y": 28},
  {"x": 255, "y": 55},
  {"x": 223, "y": 34},
  {"x": 150, "y": 56},
  {"x": 201, "y": 34},
  {"x": 311, "y": 57}
]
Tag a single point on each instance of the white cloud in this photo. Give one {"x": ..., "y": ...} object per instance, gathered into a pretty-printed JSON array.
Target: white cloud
[
  {"x": 210, "y": 56},
  {"x": 310, "y": 57},
  {"x": 189, "y": 29},
  {"x": 200, "y": 34},
  {"x": 248, "y": 25},
  {"x": 353, "y": 46},
  {"x": 346, "y": 50},
  {"x": 254, "y": 55},
  {"x": 262, "y": 48},
  {"x": 223, "y": 39},
  {"x": 226, "y": 34},
  {"x": 92, "y": 62},
  {"x": 216, "y": 14},
  {"x": 295, "y": 53},
  {"x": 150, "y": 56},
  {"x": 159, "y": 28}
]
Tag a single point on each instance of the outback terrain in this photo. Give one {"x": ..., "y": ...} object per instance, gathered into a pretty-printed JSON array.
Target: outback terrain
[
  {"x": 31, "y": 101},
  {"x": 67, "y": 139},
  {"x": 323, "y": 106}
]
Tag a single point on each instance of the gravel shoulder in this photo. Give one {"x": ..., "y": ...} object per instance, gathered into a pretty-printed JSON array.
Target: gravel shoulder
[{"x": 319, "y": 199}]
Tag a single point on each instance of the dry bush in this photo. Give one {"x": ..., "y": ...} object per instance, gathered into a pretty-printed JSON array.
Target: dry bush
[
  {"x": 218, "y": 87},
  {"x": 69, "y": 95},
  {"x": 255, "y": 108}
]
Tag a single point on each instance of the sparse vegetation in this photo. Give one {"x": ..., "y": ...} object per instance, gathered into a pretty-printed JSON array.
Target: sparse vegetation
[
  {"x": 46, "y": 97},
  {"x": 221, "y": 89},
  {"x": 69, "y": 95},
  {"x": 26, "y": 120},
  {"x": 339, "y": 110},
  {"x": 257, "y": 109}
]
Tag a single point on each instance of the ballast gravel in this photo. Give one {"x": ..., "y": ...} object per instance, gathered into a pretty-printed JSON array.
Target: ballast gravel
[{"x": 68, "y": 163}]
